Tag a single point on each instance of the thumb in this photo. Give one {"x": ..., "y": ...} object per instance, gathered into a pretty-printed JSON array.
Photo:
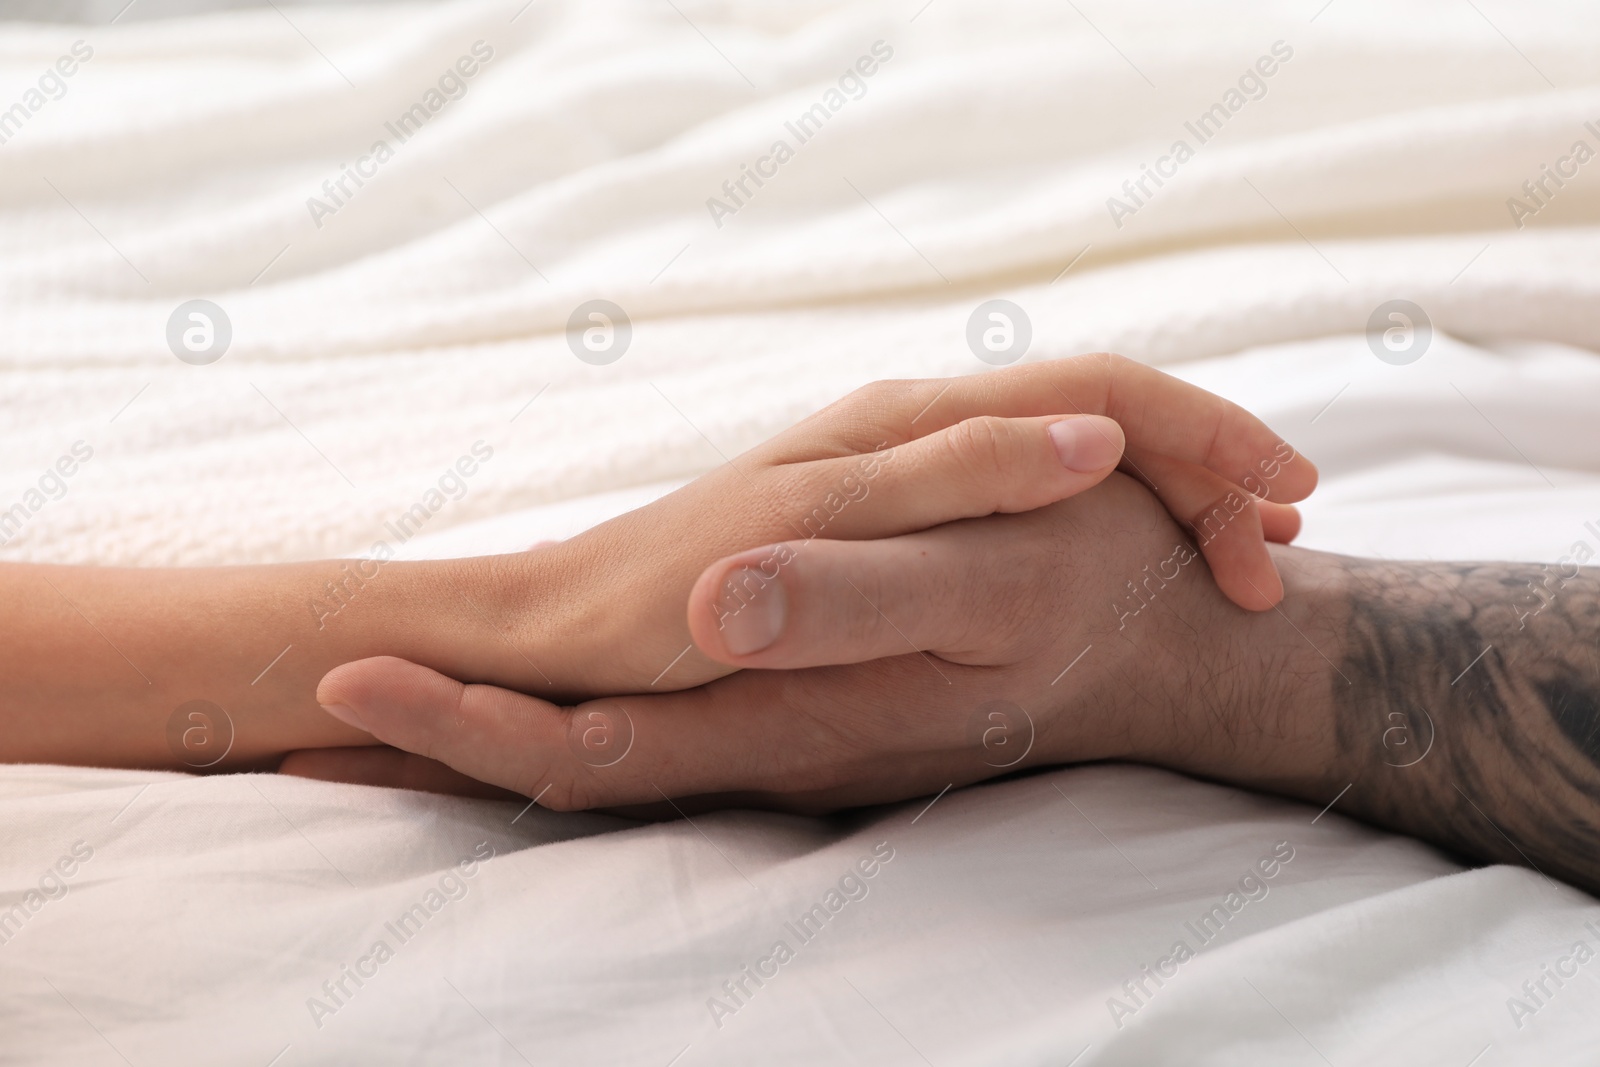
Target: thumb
[{"x": 815, "y": 603}]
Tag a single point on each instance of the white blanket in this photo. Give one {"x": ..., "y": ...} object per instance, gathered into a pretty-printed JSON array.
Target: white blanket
[{"x": 379, "y": 331}]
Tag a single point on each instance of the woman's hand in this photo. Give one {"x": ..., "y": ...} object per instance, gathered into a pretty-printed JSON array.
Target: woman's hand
[
  {"x": 216, "y": 667},
  {"x": 1073, "y": 632},
  {"x": 603, "y": 612}
]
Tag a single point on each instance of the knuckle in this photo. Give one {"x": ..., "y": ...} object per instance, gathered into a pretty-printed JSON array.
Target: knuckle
[
  {"x": 1107, "y": 363},
  {"x": 564, "y": 794},
  {"x": 556, "y": 779},
  {"x": 981, "y": 446},
  {"x": 1222, "y": 517},
  {"x": 529, "y": 732},
  {"x": 1108, "y": 370},
  {"x": 881, "y": 394},
  {"x": 460, "y": 729},
  {"x": 997, "y": 463},
  {"x": 858, "y": 422}
]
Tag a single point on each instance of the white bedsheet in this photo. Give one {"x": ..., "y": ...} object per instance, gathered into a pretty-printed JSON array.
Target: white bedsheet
[{"x": 203, "y": 915}]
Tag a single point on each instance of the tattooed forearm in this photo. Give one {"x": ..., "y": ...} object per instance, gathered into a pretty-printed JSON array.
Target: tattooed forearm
[{"x": 1466, "y": 702}]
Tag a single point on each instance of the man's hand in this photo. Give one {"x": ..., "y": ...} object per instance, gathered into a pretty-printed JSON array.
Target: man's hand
[
  {"x": 1457, "y": 702},
  {"x": 1068, "y": 633},
  {"x": 891, "y": 459}
]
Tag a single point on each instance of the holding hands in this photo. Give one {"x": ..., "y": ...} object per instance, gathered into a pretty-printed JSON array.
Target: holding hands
[
  {"x": 891, "y": 578},
  {"x": 926, "y": 584}
]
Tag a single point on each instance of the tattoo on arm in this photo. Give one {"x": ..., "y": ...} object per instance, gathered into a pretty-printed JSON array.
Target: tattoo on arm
[{"x": 1467, "y": 708}]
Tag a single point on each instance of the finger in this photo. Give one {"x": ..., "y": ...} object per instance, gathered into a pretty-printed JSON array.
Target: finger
[
  {"x": 1178, "y": 485},
  {"x": 810, "y": 740},
  {"x": 424, "y": 712},
  {"x": 809, "y": 603},
  {"x": 389, "y": 768},
  {"x": 1157, "y": 412},
  {"x": 597, "y": 754},
  {"x": 974, "y": 468},
  {"x": 1280, "y": 523},
  {"x": 1226, "y": 523}
]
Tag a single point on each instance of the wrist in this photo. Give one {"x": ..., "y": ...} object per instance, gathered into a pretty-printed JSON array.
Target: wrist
[
  {"x": 604, "y": 613},
  {"x": 502, "y": 620},
  {"x": 568, "y": 621},
  {"x": 1248, "y": 695}
]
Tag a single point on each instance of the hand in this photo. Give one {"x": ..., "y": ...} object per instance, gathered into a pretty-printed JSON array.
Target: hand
[
  {"x": 603, "y": 613},
  {"x": 1007, "y": 642},
  {"x": 890, "y": 459}
]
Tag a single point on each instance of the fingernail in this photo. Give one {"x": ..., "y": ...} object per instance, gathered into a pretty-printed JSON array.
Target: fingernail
[
  {"x": 759, "y": 606},
  {"x": 1087, "y": 443},
  {"x": 344, "y": 714}
]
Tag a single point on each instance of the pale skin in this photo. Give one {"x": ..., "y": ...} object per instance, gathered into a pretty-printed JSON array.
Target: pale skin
[{"x": 94, "y": 662}]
